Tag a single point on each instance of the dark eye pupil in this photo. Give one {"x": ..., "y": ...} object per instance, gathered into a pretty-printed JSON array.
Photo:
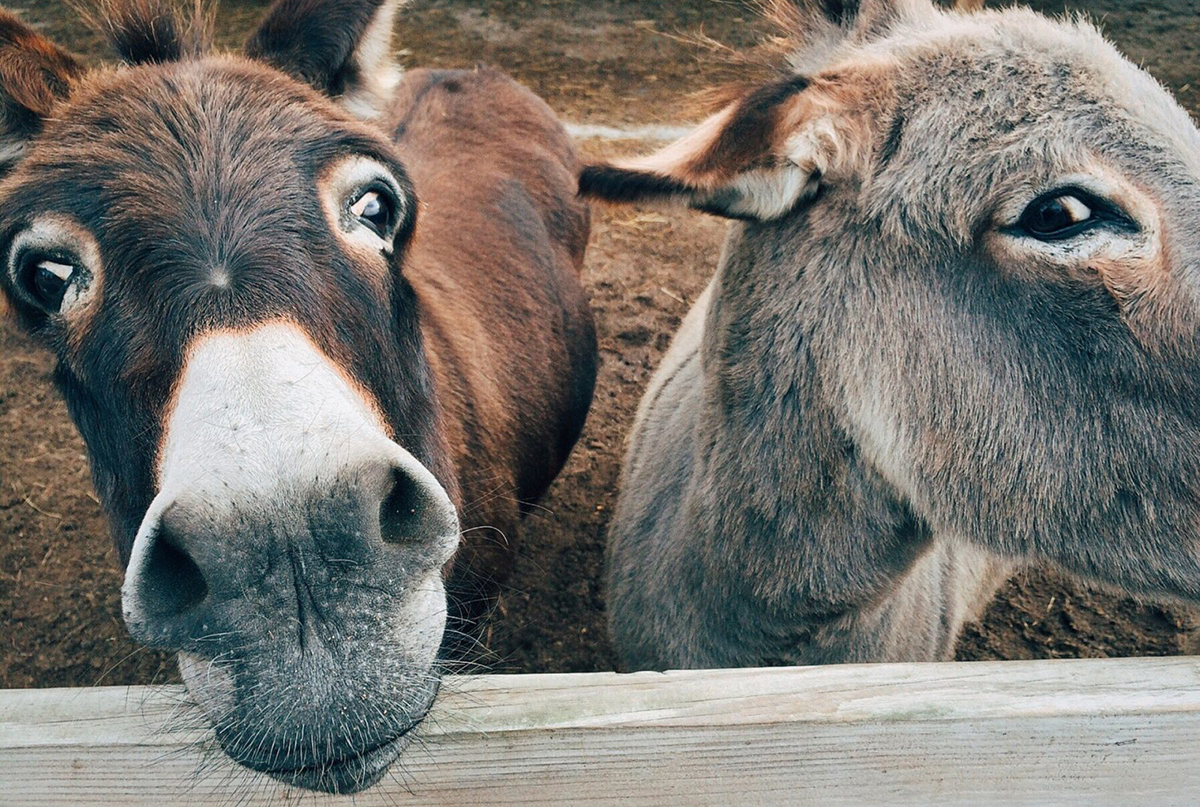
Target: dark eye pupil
[
  {"x": 1063, "y": 215},
  {"x": 375, "y": 210},
  {"x": 1051, "y": 217},
  {"x": 49, "y": 286}
]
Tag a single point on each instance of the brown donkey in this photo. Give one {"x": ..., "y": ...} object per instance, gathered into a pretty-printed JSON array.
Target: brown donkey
[
  {"x": 308, "y": 317},
  {"x": 957, "y": 327}
]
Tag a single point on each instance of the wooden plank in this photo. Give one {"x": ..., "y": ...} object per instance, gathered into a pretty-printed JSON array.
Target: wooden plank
[{"x": 1098, "y": 732}]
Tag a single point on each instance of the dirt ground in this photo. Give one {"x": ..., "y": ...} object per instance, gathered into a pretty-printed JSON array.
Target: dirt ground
[{"x": 610, "y": 62}]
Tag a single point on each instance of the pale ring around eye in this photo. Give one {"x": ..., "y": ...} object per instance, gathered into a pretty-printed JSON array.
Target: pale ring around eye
[{"x": 54, "y": 264}]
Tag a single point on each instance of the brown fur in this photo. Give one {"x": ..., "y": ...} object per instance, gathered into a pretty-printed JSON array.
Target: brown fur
[
  {"x": 499, "y": 355},
  {"x": 147, "y": 31},
  {"x": 35, "y": 75},
  {"x": 206, "y": 206},
  {"x": 750, "y": 135},
  {"x": 489, "y": 332}
]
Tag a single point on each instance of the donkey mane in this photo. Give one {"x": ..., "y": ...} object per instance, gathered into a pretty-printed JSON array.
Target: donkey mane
[
  {"x": 152, "y": 31},
  {"x": 807, "y": 32},
  {"x": 798, "y": 36},
  {"x": 341, "y": 49}
]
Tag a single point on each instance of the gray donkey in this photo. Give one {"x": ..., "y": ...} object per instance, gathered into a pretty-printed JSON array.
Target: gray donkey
[{"x": 957, "y": 327}]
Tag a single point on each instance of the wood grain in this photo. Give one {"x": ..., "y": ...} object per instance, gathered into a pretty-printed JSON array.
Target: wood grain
[{"x": 1044, "y": 733}]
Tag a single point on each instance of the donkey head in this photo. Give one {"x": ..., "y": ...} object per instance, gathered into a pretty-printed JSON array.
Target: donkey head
[
  {"x": 214, "y": 248},
  {"x": 974, "y": 240}
]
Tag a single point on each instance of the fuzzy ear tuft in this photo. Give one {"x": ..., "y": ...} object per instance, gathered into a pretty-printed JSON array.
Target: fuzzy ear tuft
[
  {"x": 760, "y": 195},
  {"x": 862, "y": 18},
  {"x": 756, "y": 159},
  {"x": 341, "y": 47},
  {"x": 152, "y": 31},
  {"x": 812, "y": 32},
  {"x": 35, "y": 76}
]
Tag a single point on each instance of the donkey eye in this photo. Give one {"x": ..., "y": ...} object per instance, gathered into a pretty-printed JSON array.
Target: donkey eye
[
  {"x": 47, "y": 280},
  {"x": 1059, "y": 215},
  {"x": 376, "y": 210}
]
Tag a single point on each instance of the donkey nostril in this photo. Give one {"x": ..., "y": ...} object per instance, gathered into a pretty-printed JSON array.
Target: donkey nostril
[
  {"x": 400, "y": 512},
  {"x": 171, "y": 582},
  {"x": 412, "y": 510}
]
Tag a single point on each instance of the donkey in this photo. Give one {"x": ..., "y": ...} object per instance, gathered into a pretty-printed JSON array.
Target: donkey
[
  {"x": 316, "y": 322},
  {"x": 955, "y": 327}
]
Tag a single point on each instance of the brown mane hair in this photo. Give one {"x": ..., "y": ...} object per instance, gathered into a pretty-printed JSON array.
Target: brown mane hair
[{"x": 151, "y": 31}]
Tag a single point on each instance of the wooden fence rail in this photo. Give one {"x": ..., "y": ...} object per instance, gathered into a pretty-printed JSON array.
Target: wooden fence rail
[{"x": 1094, "y": 733}]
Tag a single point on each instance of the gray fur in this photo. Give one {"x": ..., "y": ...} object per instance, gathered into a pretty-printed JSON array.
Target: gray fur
[{"x": 883, "y": 402}]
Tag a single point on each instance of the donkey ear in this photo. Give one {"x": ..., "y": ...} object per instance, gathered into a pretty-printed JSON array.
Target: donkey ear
[
  {"x": 814, "y": 30},
  {"x": 341, "y": 47},
  {"x": 865, "y": 18},
  {"x": 35, "y": 75},
  {"x": 756, "y": 159}
]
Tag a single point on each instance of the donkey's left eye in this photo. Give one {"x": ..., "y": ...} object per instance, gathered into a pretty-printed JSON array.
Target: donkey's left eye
[
  {"x": 1067, "y": 213},
  {"x": 376, "y": 210},
  {"x": 1056, "y": 217},
  {"x": 47, "y": 281}
]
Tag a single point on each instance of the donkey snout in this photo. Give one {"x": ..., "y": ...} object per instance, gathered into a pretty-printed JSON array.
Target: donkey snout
[{"x": 209, "y": 563}]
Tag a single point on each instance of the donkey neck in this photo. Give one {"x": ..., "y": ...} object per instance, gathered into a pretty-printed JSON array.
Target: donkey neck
[{"x": 823, "y": 543}]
